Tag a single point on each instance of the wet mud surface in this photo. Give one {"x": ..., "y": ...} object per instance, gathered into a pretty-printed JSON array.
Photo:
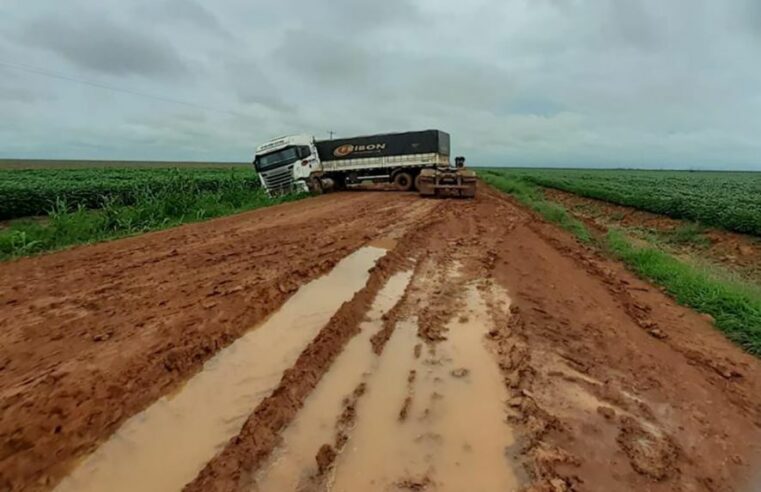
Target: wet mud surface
[{"x": 467, "y": 345}]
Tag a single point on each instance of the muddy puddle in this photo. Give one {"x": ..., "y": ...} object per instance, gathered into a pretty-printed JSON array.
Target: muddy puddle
[
  {"x": 165, "y": 446},
  {"x": 386, "y": 242},
  {"x": 293, "y": 464},
  {"x": 433, "y": 417}
]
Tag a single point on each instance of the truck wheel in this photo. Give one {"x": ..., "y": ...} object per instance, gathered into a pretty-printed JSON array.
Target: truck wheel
[
  {"x": 418, "y": 179},
  {"x": 403, "y": 181},
  {"x": 315, "y": 186},
  {"x": 340, "y": 183}
]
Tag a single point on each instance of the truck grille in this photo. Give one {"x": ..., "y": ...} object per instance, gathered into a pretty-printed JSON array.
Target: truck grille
[{"x": 279, "y": 180}]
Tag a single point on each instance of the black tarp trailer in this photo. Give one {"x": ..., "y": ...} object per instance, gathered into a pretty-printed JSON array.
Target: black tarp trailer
[
  {"x": 391, "y": 157},
  {"x": 384, "y": 145}
]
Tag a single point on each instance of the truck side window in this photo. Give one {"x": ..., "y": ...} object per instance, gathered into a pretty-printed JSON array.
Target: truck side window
[{"x": 304, "y": 151}]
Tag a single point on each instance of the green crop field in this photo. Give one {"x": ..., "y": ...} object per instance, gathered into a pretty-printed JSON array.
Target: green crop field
[
  {"x": 730, "y": 200},
  {"x": 89, "y": 164},
  {"x": 29, "y": 192},
  {"x": 85, "y": 205}
]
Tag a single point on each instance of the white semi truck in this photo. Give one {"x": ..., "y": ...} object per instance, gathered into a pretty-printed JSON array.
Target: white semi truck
[{"x": 302, "y": 163}]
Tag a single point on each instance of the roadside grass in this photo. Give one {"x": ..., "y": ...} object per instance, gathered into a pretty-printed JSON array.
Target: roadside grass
[
  {"x": 690, "y": 234},
  {"x": 588, "y": 209},
  {"x": 734, "y": 305},
  {"x": 530, "y": 195},
  {"x": 181, "y": 201}
]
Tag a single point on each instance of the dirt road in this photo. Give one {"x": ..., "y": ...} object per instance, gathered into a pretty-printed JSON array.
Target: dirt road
[{"x": 364, "y": 341}]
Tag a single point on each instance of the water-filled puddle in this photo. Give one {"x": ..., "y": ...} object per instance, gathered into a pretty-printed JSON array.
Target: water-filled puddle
[
  {"x": 165, "y": 446},
  {"x": 294, "y": 461},
  {"x": 432, "y": 417}
]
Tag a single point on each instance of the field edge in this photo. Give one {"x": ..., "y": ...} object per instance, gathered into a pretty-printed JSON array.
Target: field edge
[{"x": 731, "y": 306}]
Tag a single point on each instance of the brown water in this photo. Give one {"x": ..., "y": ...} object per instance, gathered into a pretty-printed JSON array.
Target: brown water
[
  {"x": 294, "y": 461},
  {"x": 165, "y": 446},
  {"x": 454, "y": 436},
  {"x": 386, "y": 242}
]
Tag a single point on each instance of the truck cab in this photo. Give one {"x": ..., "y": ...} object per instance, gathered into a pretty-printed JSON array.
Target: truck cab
[{"x": 284, "y": 163}]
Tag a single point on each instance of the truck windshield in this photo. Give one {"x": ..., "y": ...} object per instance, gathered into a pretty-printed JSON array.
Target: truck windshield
[{"x": 276, "y": 159}]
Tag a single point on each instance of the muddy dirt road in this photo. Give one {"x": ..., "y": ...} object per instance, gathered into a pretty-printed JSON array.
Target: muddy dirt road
[{"x": 364, "y": 341}]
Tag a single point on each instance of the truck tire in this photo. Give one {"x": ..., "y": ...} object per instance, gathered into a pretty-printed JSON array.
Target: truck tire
[
  {"x": 418, "y": 179},
  {"x": 340, "y": 183},
  {"x": 403, "y": 181},
  {"x": 315, "y": 186}
]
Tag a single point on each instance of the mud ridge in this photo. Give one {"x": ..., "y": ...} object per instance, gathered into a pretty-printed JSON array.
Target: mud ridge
[
  {"x": 588, "y": 380},
  {"x": 599, "y": 381},
  {"x": 232, "y": 468},
  {"x": 379, "y": 339},
  {"x": 405, "y": 410},
  {"x": 166, "y": 367},
  {"x": 641, "y": 312},
  {"x": 328, "y": 452},
  {"x": 95, "y": 334},
  {"x": 548, "y": 464},
  {"x": 508, "y": 341}
]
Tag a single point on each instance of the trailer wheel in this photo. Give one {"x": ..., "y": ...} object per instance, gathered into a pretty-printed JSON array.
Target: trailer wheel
[
  {"x": 403, "y": 181},
  {"x": 340, "y": 183}
]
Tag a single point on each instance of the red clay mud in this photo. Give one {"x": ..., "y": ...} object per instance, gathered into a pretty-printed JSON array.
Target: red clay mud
[
  {"x": 609, "y": 384},
  {"x": 93, "y": 335},
  {"x": 227, "y": 471},
  {"x": 581, "y": 340}
]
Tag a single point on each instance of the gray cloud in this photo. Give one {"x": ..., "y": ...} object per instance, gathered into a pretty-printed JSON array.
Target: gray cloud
[
  {"x": 104, "y": 46},
  {"x": 21, "y": 95},
  {"x": 355, "y": 71},
  {"x": 252, "y": 86},
  {"x": 323, "y": 60},
  {"x": 752, "y": 16},
  {"x": 14, "y": 91},
  {"x": 457, "y": 82},
  {"x": 350, "y": 15},
  {"x": 181, "y": 11},
  {"x": 635, "y": 24},
  {"x": 542, "y": 82}
]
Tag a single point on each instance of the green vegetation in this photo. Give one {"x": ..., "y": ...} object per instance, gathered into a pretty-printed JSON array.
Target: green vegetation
[
  {"x": 28, "y": 192},
  {"x": 735, "y": 307},
  {"x": 530, "y": 195},
  {"x": 731, "y": 200},
  {"x": 178, "y": 198},
  {"x": 692, "y": 234},
  {"x": 90, "y": 164}
]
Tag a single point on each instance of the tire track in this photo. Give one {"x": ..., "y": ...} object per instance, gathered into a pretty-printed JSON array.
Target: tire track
[{"x": 593, "y": 399}]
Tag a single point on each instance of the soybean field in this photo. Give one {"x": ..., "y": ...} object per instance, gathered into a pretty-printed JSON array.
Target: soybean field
[
  {"x": 30, "y": 192},
  {"x": 48, "y": 209},
  {"x": 730, "y": 200}
]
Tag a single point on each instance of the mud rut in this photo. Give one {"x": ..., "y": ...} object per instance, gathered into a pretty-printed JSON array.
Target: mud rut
[{"x": 441, "y": 345}]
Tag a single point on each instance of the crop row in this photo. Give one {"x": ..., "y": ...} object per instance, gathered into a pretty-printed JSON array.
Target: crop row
[
  {"x": 730, "y": 200},
  {"x": 35, "y": 192}
]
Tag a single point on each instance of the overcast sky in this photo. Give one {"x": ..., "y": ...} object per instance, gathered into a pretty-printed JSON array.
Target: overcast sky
[{"x": 647, "y": 83}]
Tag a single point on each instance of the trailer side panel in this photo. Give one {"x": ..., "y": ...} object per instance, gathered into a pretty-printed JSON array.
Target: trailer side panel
[{"x": 384, "y": 145}]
